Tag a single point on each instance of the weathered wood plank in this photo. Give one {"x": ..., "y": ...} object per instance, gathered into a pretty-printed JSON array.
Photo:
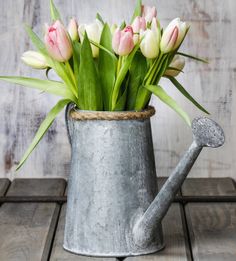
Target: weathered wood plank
[
  {"x": 4, "y": 183},
  {"x": 37, "y": 187},
  {"x": 211, "y": 226},
  {"x": 58, "y": 253},
  {"x": 208, "y": 187},
  {"x": 25, "y": 227}
]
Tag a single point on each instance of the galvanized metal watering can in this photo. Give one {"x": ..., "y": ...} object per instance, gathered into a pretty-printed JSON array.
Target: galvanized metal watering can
[{"x": 114, "y": 208}]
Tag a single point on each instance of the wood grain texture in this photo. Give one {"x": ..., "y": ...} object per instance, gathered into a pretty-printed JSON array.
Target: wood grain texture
[
  {"x": 212, "y": 226},
  {"x": 4, "y": 183},
  {"x": 208, "y": 187},
  {"x": 212, "y": 35},
  {"x": 26, "y": 227}
]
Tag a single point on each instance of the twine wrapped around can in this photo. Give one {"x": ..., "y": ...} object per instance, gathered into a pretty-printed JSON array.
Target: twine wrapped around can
[{"x": 80, "y": 115}]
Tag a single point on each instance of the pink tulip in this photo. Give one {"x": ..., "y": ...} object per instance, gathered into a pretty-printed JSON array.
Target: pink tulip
[
  {"x": 58, "y": 43},
  {"x": 173, "y": 35},
  {"x": 138, "y": 24},
  {"x": 122, "y": 42},
  {"x": 149, "y": 12}
]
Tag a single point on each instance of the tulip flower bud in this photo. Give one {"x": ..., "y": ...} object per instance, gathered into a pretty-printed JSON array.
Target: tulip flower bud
[
  {"x": 173, "y": 35},
  {"x": 94, "y": 32},
  {"x": 73, "y": 29},
  {"x": 58, "y": 43},
  {"x": 149, "y": 12},
  {"x": 34, "y": 59},
  {"x": 151, "y": 40},
  {"x": 178, "y": 63},
  {"x": 122, "y": 41},
  {"x": 138, "y": 24}
]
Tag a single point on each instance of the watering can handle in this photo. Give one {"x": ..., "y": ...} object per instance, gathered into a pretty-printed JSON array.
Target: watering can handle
[{"x": 69, "y": 122}]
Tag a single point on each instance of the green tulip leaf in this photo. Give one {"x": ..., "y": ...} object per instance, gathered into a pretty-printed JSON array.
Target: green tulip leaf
[
  {"x": 142, "y": 99},
  {"x": 186, "y": 94},
  {"x": 76, "y": 62},
  {"x": 98, "y": 16},
  {"x": 62, "y": 72},
  {"x": 164, "y": 97},
  {"x": 55, "y": 15},
  {"x": 138, "y": 70},
  {"x": 47, "y": 72},
  {"x": 43, "y": 128},
  {"x": 193, "y": 57},
  {"x": 123, "y": 25},
  {"x": 120, "y": 106},
  {"x": 121, "y": 76},
  {"x": 161, "y": 70},
  {"x": 137, "y": 10},
  {"x": 104, "y": 49},
  {"x": 37, "y": 42},
  {"x": 90, "y": 95},
  {"x": 153, "y": 77},
  {"x": 106, "y": 67},
  {"x": 52, "y": 87},
  {"x": 174, "y": 69}
]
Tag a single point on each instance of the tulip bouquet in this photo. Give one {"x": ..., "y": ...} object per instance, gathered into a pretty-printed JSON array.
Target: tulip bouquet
[{"x": 110, "y": 68}]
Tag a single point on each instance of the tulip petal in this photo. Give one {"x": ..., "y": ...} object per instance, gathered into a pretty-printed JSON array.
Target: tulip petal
[
  {"x": 116, "y": 40},
  {"x": 126, "y": 44},
  {"x": 150, "y": 45},
  {"x": 58, "y": 43}
]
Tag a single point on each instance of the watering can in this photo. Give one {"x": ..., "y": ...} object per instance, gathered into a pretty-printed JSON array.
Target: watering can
[{"x": 114, "y": 208}]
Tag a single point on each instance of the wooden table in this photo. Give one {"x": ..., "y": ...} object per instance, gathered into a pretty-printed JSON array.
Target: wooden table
[{"x": 32, "y": 216}]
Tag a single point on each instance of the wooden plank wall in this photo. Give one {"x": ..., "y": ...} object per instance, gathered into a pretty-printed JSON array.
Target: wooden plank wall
[{"x": 212, "y": 35}]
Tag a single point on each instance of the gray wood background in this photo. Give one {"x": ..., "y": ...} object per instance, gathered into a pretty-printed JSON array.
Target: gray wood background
[{"x": 212, "y": 35}]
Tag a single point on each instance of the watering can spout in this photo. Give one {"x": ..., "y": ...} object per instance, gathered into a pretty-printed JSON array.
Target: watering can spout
[{"x": 206, "y": 133}]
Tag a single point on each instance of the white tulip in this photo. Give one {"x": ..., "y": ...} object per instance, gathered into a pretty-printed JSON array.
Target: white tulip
[
  {"x": 178, "y": 63},
  {"x": 34, "y": 59},
  {"x": 94, "y": 32},
  {"x": 173, "y": 35},
  {"x": 151, "y": 40}
]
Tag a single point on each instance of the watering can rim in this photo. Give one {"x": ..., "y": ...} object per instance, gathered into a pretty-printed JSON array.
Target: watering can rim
[{"x": 77, "y": 114}]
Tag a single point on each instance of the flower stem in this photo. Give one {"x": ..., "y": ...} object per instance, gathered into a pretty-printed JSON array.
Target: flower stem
[
  {"x": 72, "y": 77},
  {"x": 152, "y": 70},
  {"x": 119, "y": 65}
]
